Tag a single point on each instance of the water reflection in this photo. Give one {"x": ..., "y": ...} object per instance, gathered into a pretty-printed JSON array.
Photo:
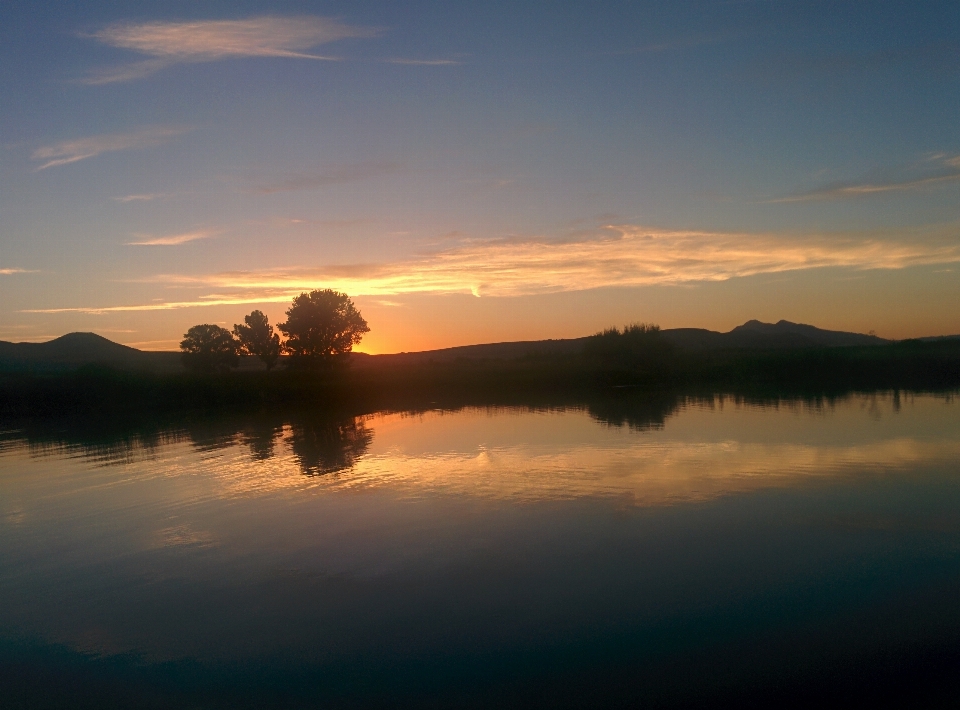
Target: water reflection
[
  {"x": 467, "y": 551},
  {"x": 326, "y": 446},
  {"x": 547, "y": 454}
]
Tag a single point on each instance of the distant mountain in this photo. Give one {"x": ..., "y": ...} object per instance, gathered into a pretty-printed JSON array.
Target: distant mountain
[
  {"x": 751, "y": 335},
  {"x": 76, "y": 349},
  {"x": 754, "y": 334}
]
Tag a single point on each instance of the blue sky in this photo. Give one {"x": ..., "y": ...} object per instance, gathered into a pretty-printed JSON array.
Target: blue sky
[{"x": 475, "y": 172}]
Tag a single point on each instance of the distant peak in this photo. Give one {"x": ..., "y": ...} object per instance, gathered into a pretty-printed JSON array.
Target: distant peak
[{"x": 78, "y": 336}]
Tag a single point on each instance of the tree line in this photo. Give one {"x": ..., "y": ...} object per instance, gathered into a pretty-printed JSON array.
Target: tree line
[{"x": 321, "y": 326}]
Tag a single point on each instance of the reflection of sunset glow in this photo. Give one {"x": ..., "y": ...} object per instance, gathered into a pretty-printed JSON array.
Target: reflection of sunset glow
[
  {"x": 701, "y": 453},
  {"x": 637, "y": 256},
  {"x": 645, "y": 474}
]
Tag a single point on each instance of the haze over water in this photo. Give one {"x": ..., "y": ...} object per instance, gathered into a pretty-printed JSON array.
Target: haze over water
[{"x": 502, "y": 555}]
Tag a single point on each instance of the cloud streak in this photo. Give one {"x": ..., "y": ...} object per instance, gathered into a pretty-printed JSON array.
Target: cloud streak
[
  {"x": 78, "y": 149},
  {"x": 168, "y": 43},
  {"x": 839, "y": 191},
  {"x": 12, "y": 271},
  {"x": 171, "y": 240},
  {"x": 145, "y": 197},
  {"x": 425, "y": 62},
  {"x": 619, "y": 256},
  {"x": 336, "y": 175}
]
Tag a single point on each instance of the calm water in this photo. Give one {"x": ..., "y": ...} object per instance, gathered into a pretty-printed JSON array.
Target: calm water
[{"x": 698, "y": 552}]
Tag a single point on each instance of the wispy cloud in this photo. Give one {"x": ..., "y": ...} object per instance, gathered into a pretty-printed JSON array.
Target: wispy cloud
[
  {"x": 837, "y": 192},
  {"x": 171, "y": 240},
  {"x": 168, "y": 43},
  {"x": 145, "y": 197},
  {"x": 945, "y": 170},
  {"x": 620, "y": 255},
  {"x": 425, "y": 62},
  {"x": 696, "y": 40},
  {"x": 11, "y": 271},
  {"x": 77, "y": 149},
  {"x": 335, "y": 175}
]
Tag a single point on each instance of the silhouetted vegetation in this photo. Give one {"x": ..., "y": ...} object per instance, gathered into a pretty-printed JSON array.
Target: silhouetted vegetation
[
  {"x": 639, "y": 350},
  {"x": 209, "y": 347},
  {"x": 321, "y": 326},
  {"x": 256, "y": 337},
  {"x": 636, "y": 361}
]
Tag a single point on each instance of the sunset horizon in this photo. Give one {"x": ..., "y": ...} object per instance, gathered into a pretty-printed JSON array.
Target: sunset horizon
[
  {"x": 472, "y": 176},
  {"x": 443, "y": 354}
]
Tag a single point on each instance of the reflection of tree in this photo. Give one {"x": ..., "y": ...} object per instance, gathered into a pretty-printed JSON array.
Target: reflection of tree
[
  {"x": 638, "y": 411},
  {"x": 327, "y": 445},
  {"x": 260, "y": 437}
]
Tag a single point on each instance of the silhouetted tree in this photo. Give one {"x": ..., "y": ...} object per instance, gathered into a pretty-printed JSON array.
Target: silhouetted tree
[
  {"x": 209, "y": 347},
  {"x": 321, "y": 325},
  {"x": 639, "y": 350},
  {"x": 257, "y": 338}
]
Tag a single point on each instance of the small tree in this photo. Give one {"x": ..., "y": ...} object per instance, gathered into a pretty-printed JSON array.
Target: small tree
[
  {"x": 257, "y": 338},
  {"x": 209, "y": 347},
  {"x": 322, "y": 325}
]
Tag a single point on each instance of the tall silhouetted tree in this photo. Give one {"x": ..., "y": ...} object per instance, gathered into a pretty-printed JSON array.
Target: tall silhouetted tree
[
  {"x": 257, "y": 338},
  {"x": 209, "y": 347},
  {"x": 321, "y": 325}
]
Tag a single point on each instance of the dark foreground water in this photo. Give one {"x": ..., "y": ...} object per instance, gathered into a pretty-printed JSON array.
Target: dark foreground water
[{"x": 710, "y": 554}]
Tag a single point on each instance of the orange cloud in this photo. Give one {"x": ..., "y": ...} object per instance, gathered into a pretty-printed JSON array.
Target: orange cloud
[
  {"x": 171, "y": 240},
  {"x": 622, "y": 255}
]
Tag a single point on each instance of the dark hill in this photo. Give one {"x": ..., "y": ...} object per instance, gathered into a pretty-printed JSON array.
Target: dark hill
[
  {"x": 487, "y": 351},
  {"x": 72, "y": 347},
  {"x": 751, "y": 335},
  {"x": 754, "y": 334},
  {"x": 809, "y": 333},
  {"x": 77, "y": 349}
]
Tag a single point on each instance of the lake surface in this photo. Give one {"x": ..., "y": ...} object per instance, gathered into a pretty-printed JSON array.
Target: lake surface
[{"x": 692, "y": 552}]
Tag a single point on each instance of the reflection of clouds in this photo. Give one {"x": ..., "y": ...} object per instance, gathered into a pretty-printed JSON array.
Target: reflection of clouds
[
  {"x": 648, "y": 473},
  {"x": 183, "y": 535},
  {"x": 525, "y": 456},
  {"x": 622, "y": 255}
]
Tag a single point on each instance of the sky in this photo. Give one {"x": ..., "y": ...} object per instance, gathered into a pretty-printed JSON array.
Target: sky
[{"x": 479, "y": 172}]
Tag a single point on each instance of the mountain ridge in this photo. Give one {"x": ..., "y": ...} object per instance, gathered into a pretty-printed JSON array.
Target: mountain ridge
[{"x": 80, "y": 348}]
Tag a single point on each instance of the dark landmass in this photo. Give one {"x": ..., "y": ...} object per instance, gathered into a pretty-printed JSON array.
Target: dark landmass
[
  {"x": 751, "y": 335},
  {"x": 75, "y": 350},
  {"x": 82, "y": 374}
]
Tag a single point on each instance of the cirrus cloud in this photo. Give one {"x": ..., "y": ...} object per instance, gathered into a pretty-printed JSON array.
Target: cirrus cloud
[
  {"x": 172, "y": 239},
  {"x": 619, "y": 256},
  {"x": 938, "y": 170},
  {"x": 168, "y": 43},
  {"x": 77, "y": 149}
]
